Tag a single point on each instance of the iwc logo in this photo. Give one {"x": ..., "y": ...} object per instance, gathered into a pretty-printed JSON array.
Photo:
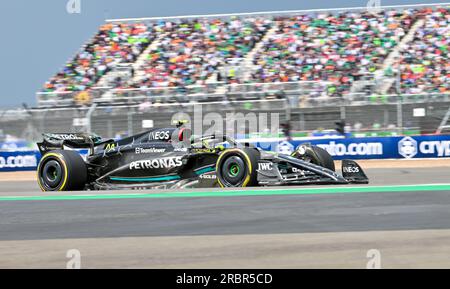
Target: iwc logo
[{"x": 407, "y": 147}]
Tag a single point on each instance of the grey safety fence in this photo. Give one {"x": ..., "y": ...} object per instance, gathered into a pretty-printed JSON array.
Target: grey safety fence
[{"x": 112, "y": 121}]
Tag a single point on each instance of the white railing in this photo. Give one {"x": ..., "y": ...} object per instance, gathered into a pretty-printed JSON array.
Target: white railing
[
  {"x": 276, "y": 13},
  {"x": 188, "y": 93},
  {"x": 13, "y": 114},
  {"x": 357, "y": 99},
  {"x": 292, "y": 86},
  {"x": 308, "y": 94},
  {"x": 61, "y": 98}
]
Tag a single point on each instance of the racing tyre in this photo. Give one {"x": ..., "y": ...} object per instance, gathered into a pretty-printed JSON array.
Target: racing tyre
[
  {"x": 237, "y": 168},
  {"x": 324, "y": 159},
  {"x": 62, "y": 171}
]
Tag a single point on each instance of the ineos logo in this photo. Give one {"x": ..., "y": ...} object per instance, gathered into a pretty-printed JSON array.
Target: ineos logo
[
  {"x": 159, "y": 135},
  {"x": 351, "y": 170}
]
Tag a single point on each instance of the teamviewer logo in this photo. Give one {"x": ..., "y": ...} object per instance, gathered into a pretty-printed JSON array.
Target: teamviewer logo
[{"x": 407, "y": 147}]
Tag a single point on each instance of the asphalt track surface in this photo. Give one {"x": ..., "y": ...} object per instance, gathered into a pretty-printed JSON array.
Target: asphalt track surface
[{"x": 398, "y": 207}]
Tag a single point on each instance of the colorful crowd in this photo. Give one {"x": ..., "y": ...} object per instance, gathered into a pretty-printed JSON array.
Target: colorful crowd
[
  {"x": 334, "y": 48},
  {"x": 113, "y": 44},
  {"x": 425, "y": 62},
  {"x": 338, "y": 49}
]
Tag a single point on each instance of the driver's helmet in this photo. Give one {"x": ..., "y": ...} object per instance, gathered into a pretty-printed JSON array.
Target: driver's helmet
[{"x": 300, "y": 151}]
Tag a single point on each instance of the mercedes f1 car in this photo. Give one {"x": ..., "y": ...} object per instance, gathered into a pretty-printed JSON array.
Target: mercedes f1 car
[{"x": 172, "y": 158}]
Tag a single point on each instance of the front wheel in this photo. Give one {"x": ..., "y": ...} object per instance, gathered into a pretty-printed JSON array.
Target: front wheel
[
  {"x": 62, "y": 171},
  {"x": 237, "y": 168},
  {"x": 315, "y": 155},
  {"x": 325, "y": 159}
]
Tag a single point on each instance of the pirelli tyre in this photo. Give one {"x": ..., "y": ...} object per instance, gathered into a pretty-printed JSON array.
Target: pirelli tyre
[
  {"x": 315, "y": 155},
  {"x": 62, "y": 171},
  {"x": 237, "y": 168},
  {"x": 324, "y": 159}
]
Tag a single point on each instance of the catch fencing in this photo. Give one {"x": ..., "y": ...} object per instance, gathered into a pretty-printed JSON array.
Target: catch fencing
[
  {"x": 409, "y": 147},
  {"x": 422, "y": 115}
]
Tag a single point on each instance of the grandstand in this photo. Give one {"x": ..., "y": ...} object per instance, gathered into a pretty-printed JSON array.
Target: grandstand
[
  {"x": 316, "y": 61},
  {"x": 343, "y": 49},
  {"x": 425, "y": 62}
]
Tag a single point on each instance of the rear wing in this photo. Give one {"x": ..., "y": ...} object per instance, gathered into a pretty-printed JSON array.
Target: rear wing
[{"x": 58, "y": 141}]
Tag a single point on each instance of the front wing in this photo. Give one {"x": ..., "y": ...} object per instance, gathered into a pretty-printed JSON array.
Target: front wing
[{"x": 283, "y": 170}]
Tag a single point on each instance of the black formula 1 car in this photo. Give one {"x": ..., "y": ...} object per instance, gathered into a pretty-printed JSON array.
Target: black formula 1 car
[{"x": 172, "y": 158}]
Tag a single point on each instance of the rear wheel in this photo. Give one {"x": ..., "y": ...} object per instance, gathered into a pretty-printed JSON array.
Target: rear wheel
[
  {"x": 62, "y": 171},
  {"x": 237, "y": 168}
]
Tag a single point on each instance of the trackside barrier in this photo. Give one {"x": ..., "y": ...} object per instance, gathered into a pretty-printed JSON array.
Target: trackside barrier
[
  {"x": 19, "y": 161},
  {"x": 22, "y": 160},
  {"x": 433, "y": 146}
]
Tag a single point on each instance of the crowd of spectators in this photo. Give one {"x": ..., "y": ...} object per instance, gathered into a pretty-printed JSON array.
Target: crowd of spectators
[
  {"x": 114, "y": 43},
  {"x": 425, "y": 61},
  {"x": 337, "y": 48},
  {"x": 194, "y": 50}
]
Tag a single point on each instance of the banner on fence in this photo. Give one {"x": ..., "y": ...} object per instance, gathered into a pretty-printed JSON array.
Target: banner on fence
[
  {"x": 19, "y": 161},
  {"x": 436, "y": 146},
  {"x": 23, "y": 160}
]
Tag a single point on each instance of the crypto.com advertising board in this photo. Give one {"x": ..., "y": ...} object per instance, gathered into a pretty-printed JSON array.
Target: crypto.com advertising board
[{"x": 372, "y": 147}]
